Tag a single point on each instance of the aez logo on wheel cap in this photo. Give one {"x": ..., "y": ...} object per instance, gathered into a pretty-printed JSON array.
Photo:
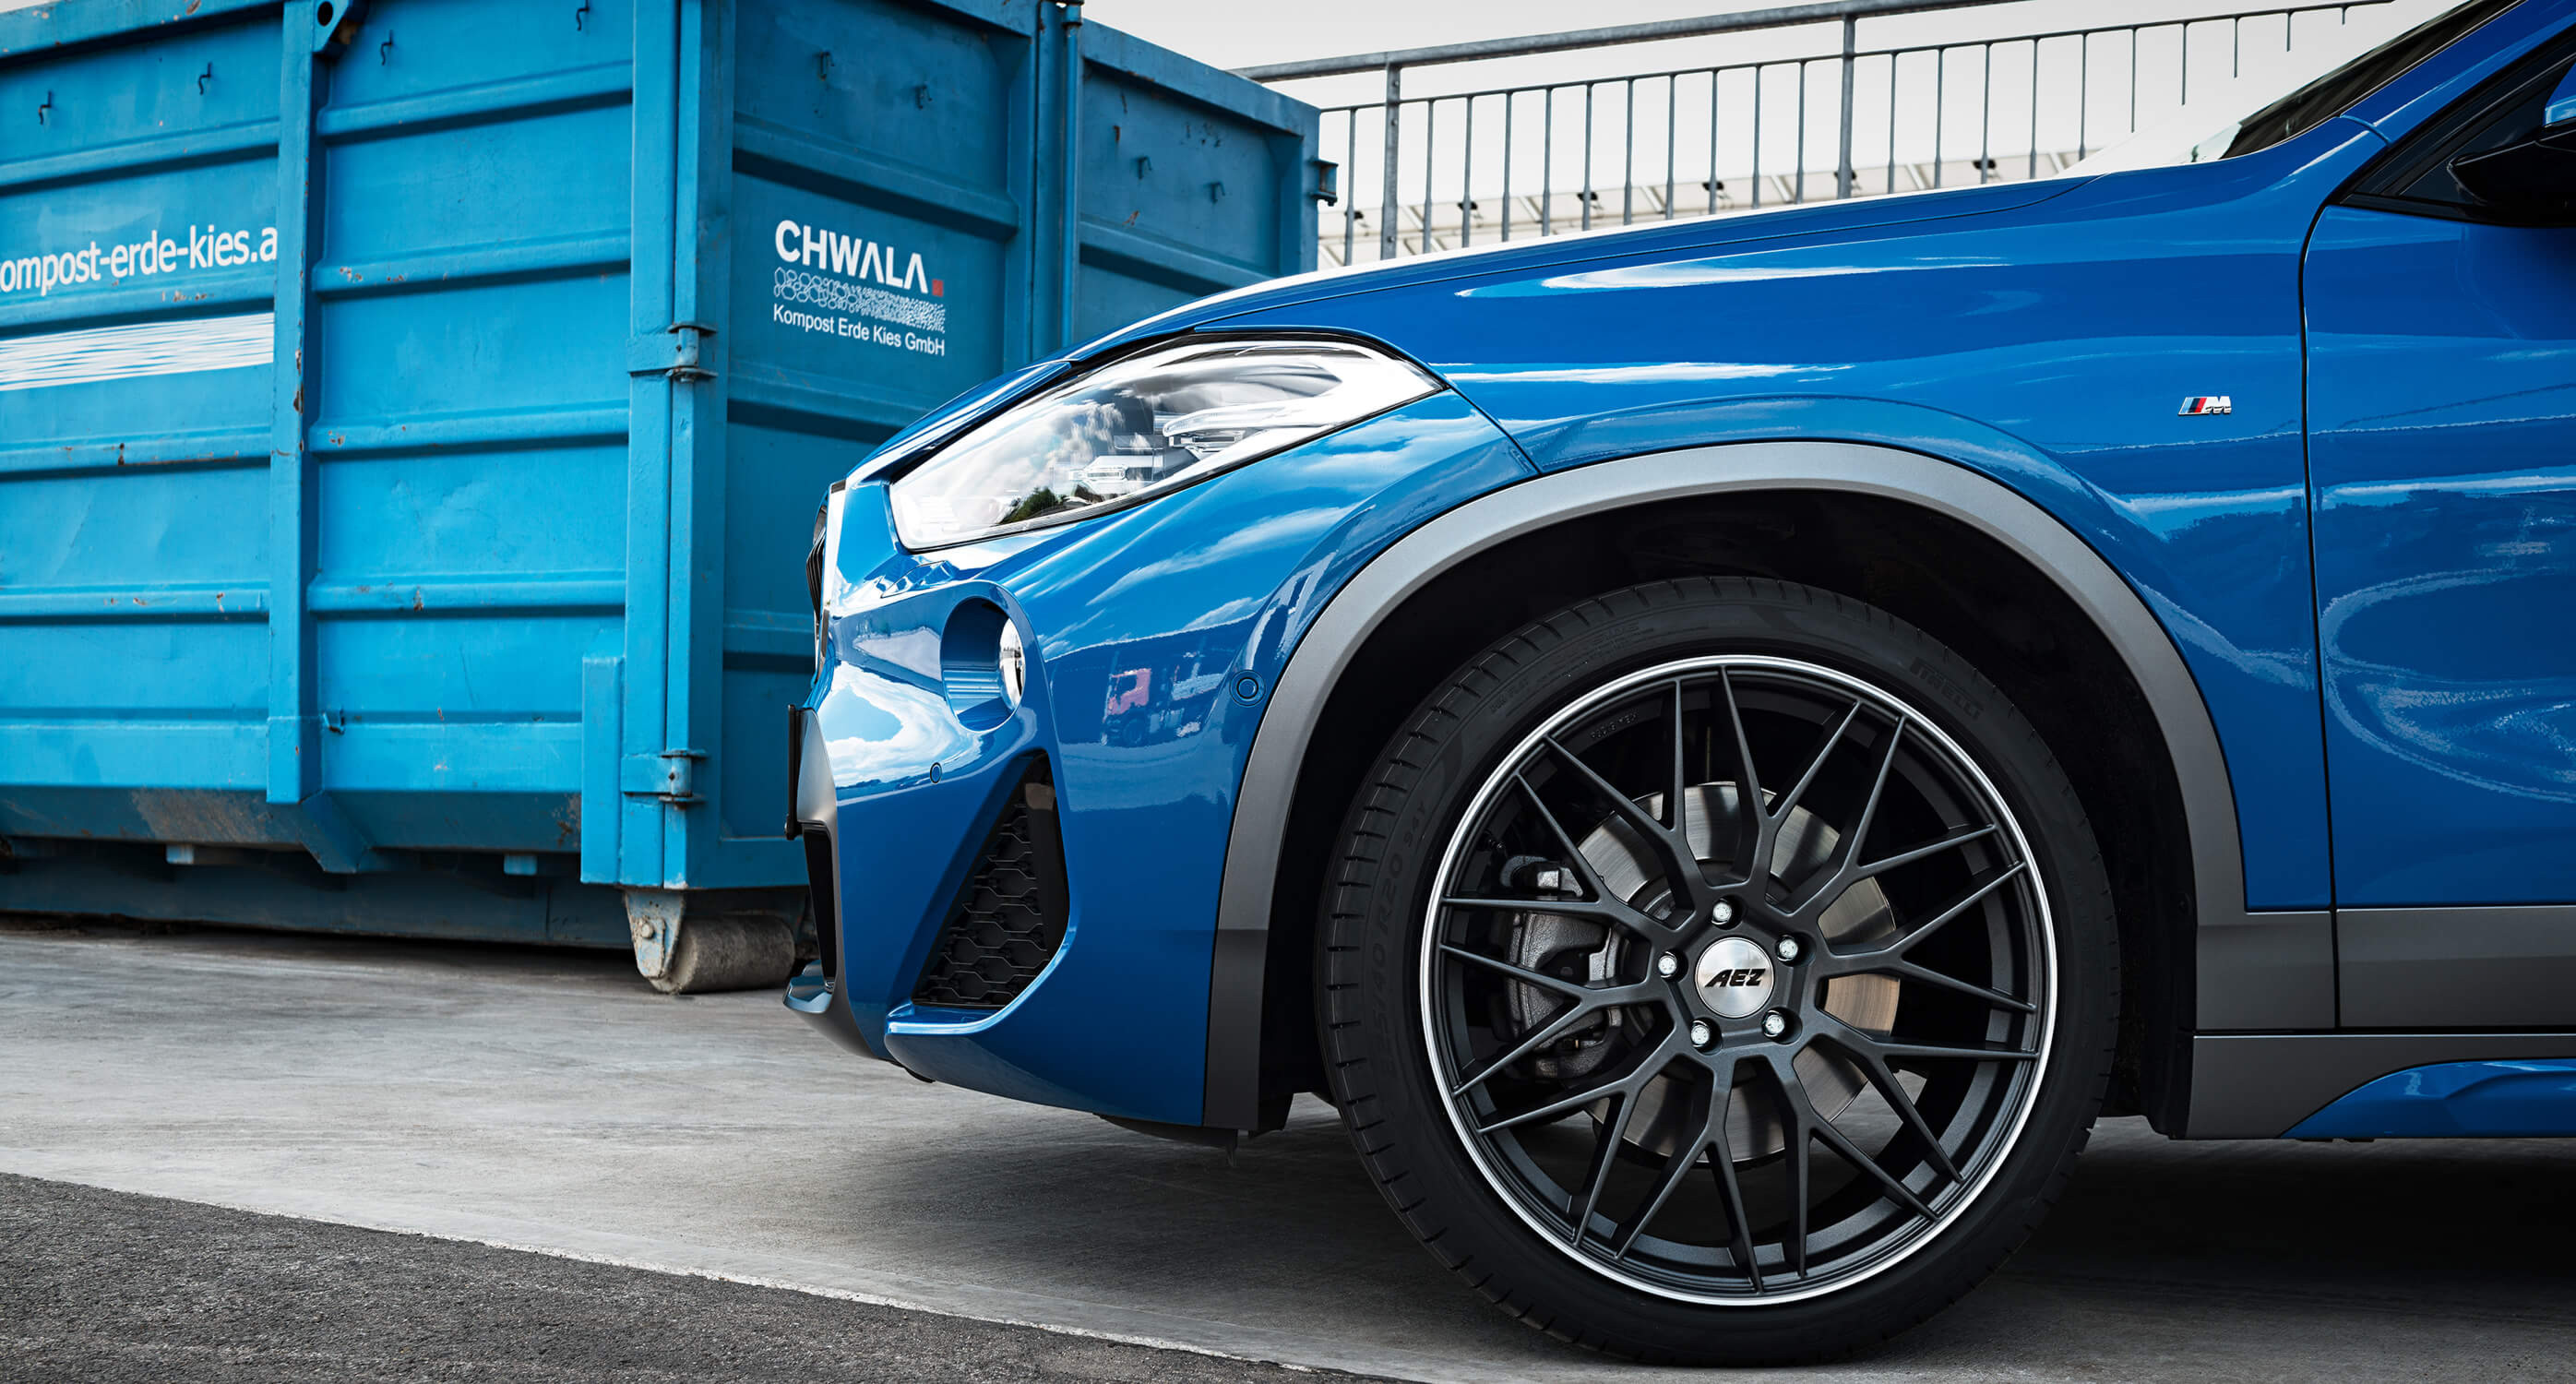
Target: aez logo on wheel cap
[
  {"x": 2202, "y": 405},
  {"x": 1734, "y": 977}
]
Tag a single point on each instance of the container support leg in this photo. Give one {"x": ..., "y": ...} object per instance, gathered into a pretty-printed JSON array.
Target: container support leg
[{"x": 689, "y": 943}]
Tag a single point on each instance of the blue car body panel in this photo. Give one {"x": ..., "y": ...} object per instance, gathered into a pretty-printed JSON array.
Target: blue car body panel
[
  {"x": 2446, "y": 572},
  {"x": 2045, "y": 342},
  {"x": 2039, "y": 335},
  {"x": 1145, "y": 791},
  {"x": 2450, "y": 1100}
]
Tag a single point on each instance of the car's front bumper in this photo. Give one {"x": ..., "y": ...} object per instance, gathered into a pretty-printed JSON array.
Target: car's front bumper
[{"x": 1153, "y": 637}]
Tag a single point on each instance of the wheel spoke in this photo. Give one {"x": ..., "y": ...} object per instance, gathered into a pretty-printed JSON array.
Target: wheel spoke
[
  {"x": 1537, "y": 1038},
  {"x": 1677, "y": 1168},
  {"x": 1859, "y": 833},
  {"x": 1907, "y": 970},
  {"x": 1748, "y": 784},
  {"x": 1605, "y": 1156},
  {"x": 1739, "y": 1231},
  {"x": 1615, "y": 1086},
  {"x": 1574, "y": 856},
  {"x": 1936, "y": 1051},
  {"x": 1883, "y": 1078},
  {"x": 1905, "y": 941},
  {"x": 1754, "y": 827},
  {"x": 1960, "y": 837},
  {"x": 1834, "y": 737},
  {"x": 1580, "y": 993},
  {"x": 1839, "y": 872},
  {"x": 1851, "y": 1153},
  {"x": 1797, "y": 1165},
  {"x": 1671, "y": 852},
  {"x": 1586, "y": 1001},
  {"x": 1615, "y": 915},
  {"x": 1816, "y": 1126},
  {"x": 1604, "y": 905}
]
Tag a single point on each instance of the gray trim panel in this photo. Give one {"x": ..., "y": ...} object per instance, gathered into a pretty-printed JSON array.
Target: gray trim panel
[
  {"x": 2495, "y": 967},
  {"x": 1328, "y": 647},
  {"x": 2259, "y": 1085},
  {"x": 2267, "y": 971}
]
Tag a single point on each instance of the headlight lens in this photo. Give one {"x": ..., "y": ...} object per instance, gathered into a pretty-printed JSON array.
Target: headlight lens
[
  {"x": 823, "y": 565},
  {"x": 1141, "y": 426}
]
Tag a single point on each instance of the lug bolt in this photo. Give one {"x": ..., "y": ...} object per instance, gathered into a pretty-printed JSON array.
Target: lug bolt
[
  {"x": 1790, "y": 950},
  {"x": 1724, "y": 913},
  {"x": 1700, "y": 1033},
  {"x": 1775, "y": 1025},
  {"x": 1668, "y": 965}
]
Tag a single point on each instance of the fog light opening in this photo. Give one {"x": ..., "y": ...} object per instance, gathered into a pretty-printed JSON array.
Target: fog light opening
[{"x": 983, "y": 668}]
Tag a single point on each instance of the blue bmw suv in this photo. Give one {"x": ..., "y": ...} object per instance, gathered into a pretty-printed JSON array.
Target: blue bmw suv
[{"x": 1721, "y": 749}]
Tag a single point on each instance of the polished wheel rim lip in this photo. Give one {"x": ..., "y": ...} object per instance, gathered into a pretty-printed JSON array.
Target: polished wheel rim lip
[{"x": 2032, "y": 887}]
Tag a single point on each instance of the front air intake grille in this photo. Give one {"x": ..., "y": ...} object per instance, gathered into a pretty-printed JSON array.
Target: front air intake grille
[{"x": 1009, "y": 917}]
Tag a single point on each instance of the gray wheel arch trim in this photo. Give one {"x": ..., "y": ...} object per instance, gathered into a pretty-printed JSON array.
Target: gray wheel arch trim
[{"x": 1316, "y": 666}]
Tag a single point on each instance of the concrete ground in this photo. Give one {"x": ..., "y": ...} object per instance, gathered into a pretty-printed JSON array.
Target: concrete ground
[{"x": 549, "y": 1101}]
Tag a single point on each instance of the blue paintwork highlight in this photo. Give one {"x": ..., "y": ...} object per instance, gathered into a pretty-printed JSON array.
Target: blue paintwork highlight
[
  {"x": 2453, "y": 1100},
  {"x": 2561, "y": 109},
  {"x": 2442, "y": 448},
  {"x": 456, "y": 563}
]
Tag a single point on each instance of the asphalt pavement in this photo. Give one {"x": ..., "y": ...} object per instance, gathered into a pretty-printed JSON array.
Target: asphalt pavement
[
  {"x": 504, "y": 1101},
  {"x": 108, "y": 1286}
]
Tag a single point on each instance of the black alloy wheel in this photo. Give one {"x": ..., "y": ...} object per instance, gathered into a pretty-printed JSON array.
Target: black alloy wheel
[{"x": 1719, "y": 970}]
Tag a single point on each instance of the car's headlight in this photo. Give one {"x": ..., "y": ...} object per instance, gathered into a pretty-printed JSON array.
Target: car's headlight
[
  {"x": 1141, "y": 426},
  {"x": 823, "y": 563}
]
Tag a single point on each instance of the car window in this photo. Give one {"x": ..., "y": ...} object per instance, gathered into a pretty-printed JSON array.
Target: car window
[
  {"x": 2417, "y": 176},
  {"x": 2321, "y": 80},
  {"x": 2335, "y": 92}
]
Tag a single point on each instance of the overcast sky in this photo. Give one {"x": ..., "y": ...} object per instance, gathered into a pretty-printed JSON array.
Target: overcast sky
[
  {"x": 1239, "y": 33},
  {"x": 1684, "y": 134}
]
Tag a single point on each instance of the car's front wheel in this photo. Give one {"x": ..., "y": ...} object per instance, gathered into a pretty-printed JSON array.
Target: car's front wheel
[{"x": 1719, "y": 970}]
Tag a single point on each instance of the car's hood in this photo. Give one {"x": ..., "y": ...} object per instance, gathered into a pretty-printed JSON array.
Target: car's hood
[
  {"x": 1807, "y": 222},
  {"x": 1308, "y": 297}
]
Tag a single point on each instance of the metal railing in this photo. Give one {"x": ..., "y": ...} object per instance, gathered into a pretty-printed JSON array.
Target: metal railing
[{"x": 1459, "y": 168}]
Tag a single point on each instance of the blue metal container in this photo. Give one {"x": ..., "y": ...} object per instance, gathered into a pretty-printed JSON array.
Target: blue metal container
[{"x": 411, "y": 414}]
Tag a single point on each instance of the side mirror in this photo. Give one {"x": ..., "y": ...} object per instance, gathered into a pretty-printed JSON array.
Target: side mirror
[{"x": 2531, "y": 180}]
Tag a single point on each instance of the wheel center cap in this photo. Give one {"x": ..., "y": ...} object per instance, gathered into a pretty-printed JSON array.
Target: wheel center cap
[{"x": 1734, "y": 977}]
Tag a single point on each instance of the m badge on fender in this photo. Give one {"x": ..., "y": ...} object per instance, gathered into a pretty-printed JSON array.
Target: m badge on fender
[{"x": 2199, "y": 405}]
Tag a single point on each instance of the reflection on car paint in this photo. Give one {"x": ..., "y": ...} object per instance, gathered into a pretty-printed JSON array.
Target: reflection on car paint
[{"x": 1138, "y": 624}]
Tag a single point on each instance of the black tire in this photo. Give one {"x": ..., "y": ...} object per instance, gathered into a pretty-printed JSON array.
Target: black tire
[{"x": 1482, "y": 1205}]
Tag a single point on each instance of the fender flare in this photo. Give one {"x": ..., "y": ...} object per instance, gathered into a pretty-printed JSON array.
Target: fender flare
[{"x": 2258, "y": 970}]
